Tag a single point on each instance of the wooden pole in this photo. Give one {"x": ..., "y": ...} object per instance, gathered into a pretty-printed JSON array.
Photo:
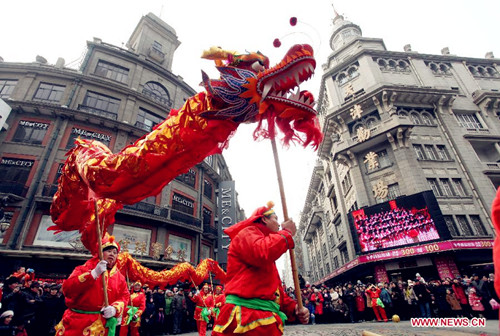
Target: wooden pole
[
  {"x": 99, "y": 242},
  {"x": 295, "y": 274}
]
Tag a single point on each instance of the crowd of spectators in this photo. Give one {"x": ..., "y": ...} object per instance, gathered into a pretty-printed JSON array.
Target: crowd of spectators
[
  {"x": 394, "y": 227},
  {"x": 30, "y": 307},
  {"x": 358, "y": 302}
]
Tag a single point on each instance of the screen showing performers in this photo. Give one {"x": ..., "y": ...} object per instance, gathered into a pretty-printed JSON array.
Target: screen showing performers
[{"x": 403, "y": 221}]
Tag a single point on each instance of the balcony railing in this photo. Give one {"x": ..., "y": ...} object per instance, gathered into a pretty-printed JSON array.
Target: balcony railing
[
  {"x": 12, "y": 187},
  {"x": 143, "y": 126},
  {"x": 185, "y": 218},
  {"x": 99, "y": 112},
  {"x": 49, "y": 190},
  {"x": 210, "y": 230},
  {"x": 148, "y": 208}
]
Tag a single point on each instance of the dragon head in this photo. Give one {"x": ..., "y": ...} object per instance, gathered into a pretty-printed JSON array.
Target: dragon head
[{"x": 251, "y": 91}]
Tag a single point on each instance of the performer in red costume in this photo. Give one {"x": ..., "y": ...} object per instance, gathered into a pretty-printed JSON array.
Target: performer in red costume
[
  {"x": 132, "y": 316},
  {"x": 219, "y": 300},
  {"x": 256, "y": 303},
  {"x": 204, "y": 305},
  {"x": 86, "y": 313}
]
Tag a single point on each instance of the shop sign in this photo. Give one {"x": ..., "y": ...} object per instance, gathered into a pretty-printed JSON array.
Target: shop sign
[{"x": 413, "y": 251}]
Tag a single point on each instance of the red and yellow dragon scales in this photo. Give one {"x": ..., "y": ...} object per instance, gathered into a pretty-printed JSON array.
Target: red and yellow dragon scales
[{"x": 248, "y": 90}]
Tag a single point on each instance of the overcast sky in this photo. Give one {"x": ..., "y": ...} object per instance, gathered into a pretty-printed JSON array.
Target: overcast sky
[{"x": 55, "y": 29}]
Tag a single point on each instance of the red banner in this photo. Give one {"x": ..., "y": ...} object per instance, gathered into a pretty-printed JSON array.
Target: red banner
[{"x": 449, "y": 245}]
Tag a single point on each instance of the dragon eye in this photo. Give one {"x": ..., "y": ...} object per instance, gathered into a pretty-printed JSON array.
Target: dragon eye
[{"x": 258, "y": 66}]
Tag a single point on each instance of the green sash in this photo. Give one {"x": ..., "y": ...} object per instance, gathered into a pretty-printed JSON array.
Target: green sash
[
  {"x": 110, "y": 323},
  {"x": 131, "y": 312},
  {"x": 258, "y": 304},
  {"x": 204, "y": 313}
]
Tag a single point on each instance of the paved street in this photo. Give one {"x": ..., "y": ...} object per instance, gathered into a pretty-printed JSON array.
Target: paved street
[{"x": 384, "y": 329}]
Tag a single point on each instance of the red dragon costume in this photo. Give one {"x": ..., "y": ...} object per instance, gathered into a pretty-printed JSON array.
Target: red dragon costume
[
  {"x": 85, "y": 297},
  {"x": 252, "y": 279},
  {"x": 248, "y": 90}
]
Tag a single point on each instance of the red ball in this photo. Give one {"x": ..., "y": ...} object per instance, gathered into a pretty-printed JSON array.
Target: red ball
[
  {"x": 277, "y": 43},
  {"x": 293, "y": 21}
]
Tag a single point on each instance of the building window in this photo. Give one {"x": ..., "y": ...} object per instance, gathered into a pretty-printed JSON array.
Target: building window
[
  {"x": 89, "y": 135},
  {"x": 393, "y": 191},
  {"x": 323, "y": 249},
  {"x": 30, "y": 132},
  {"x": 429, "y": 152},
  {"x": 188, "y": 178},
  {"x": 442, "y": 153},
  {"x": 6, "y": 87},
  {"x": 147, "y": 120},
  {"x": 101, "y": 105},
  {"x": 344, "y": 255},
  {"x": 427, "y": 119},
  {"x": 157, "y": 46},
  {"x": 208, "y": 188},
  {"x": 112, "y": 71},
  {"x": 477, "y": 225},
  {"x": 451, "y": 225},
  {"x": 157, "y": 92},
  {"x": 415, "y": 117},
  {"x": 470, "y": 121},
  {"x": 419, "y": 152},
  {"x": 346, "y": 182},
  {"x": 181, "y": 246},
  {"x": 446, "y": 187},
  {"x": 336, "y": 262},
  {"x": 328, "y": 270},
  {"x": 183, "y": 204},
  {"x": 463, "y": 226},
  {"x": 207, "y": 217},
  {"x": 14, "y": 174},
  {"x": 433, "y": 184},
  {"x": 459, "y": 187},
  {"x": 49, "y": 93},
  {"x": 383, "y": 159}
]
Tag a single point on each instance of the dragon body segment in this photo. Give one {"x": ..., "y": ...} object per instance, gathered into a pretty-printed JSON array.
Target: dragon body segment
[{"x": 247, "y": 91}]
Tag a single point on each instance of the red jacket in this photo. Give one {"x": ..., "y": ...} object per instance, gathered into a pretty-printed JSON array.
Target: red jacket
[
  {"x": 201, "y": 300},
  {"x": 138, "y": 300},
  {"x": 252, "y": 273},
  {"x": 82, "y": 292}
]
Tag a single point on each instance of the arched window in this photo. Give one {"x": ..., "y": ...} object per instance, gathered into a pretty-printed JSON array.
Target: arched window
[
  {"x": 352, "y": 72},
  {"x": 415, "y": 118},
  {"x": 157, "y": 92},
  {"x": 473, "y": 70},
  {"x": 426, "y": 118},
  {"x": 444, "y": 68},
  {"x": 392, "y": 64},
  {"x": 371, "y": 122},
  {"x": 342, "y": 78},
  {"x": 381, "y": 63}
]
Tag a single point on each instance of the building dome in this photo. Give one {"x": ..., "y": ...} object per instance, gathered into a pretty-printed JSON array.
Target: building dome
[{"x": 343, "y": 32}]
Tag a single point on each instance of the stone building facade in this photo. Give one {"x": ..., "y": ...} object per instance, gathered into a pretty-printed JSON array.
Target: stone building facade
[
  {"x": 397, "y": 124},
  {"x": 115, "y": 96}
]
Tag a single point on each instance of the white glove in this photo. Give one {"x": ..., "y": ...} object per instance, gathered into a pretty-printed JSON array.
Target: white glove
[
  {"x": 197, "y": 292},
  {"x": 99, "y": 269},
  {"x": 108, "y": 312}
]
